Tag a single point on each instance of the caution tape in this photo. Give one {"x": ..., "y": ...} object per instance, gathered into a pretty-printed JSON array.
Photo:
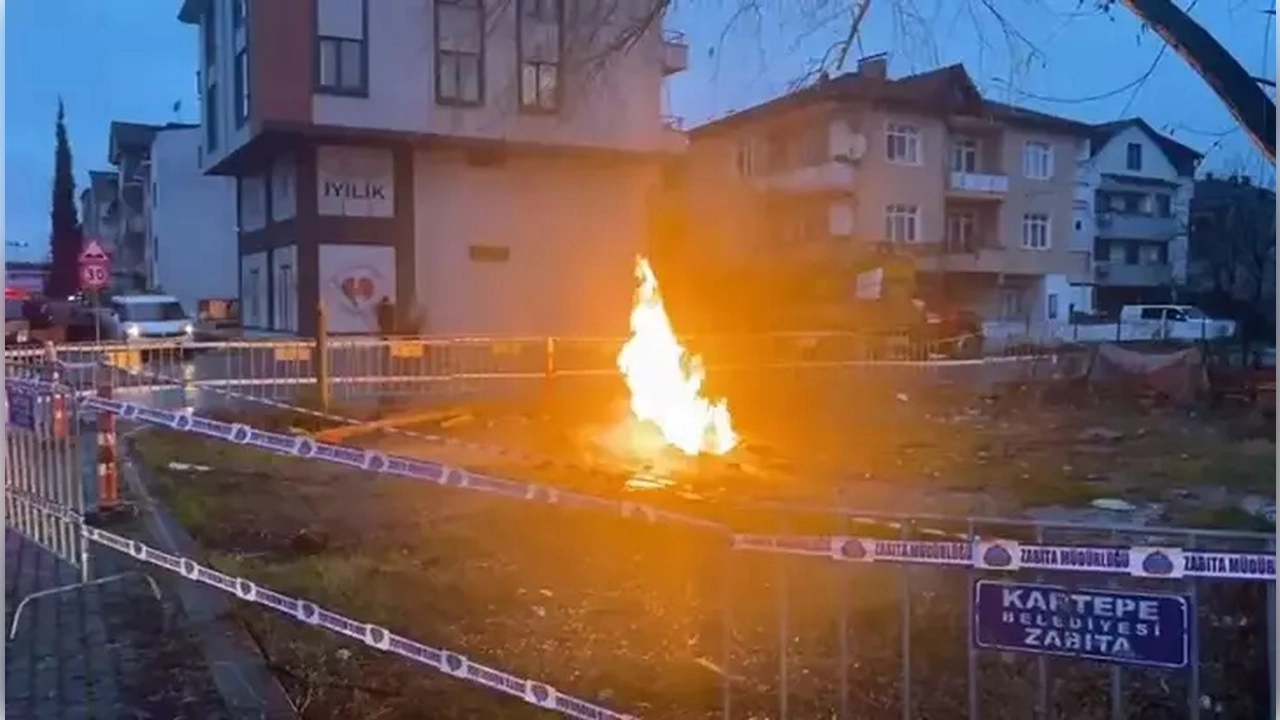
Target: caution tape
[{"x": 452, "y": 663}]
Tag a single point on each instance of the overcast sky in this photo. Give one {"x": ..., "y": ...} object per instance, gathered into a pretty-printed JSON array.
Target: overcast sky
[{"x": 132, "y": 60}]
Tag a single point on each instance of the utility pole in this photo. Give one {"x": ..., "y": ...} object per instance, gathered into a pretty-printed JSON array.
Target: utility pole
[{"x": 1242, "y": 94}]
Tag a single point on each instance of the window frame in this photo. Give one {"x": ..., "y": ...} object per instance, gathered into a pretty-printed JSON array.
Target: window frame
[
  {"x": 1043, "y": 150},
  {"x": 539, "y": 15},
  {"x": 1031, "y": 221},
  {"x": 910, "y": 215},
  {"x": 1132, "y": 159},
  {"x": 479, "y": 55},
  {"x": 957, "y": 219},
  {"x": 241, "y": 86},
  {"x": 964, "y": 148},
  {"x": 911, "y": 140},
  {"x": 336, "y": 87},
  {"x": 211, "y": 125}
]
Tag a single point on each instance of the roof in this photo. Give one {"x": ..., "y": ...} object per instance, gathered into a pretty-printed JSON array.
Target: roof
[
  {"x": 1183, "y": 158},
  {"x": 948, "y": 90}
]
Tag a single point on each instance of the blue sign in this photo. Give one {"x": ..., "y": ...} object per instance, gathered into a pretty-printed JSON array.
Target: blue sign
[
  {"x": 1126, "y": 628},
  {"x": 22, "y": 409}
]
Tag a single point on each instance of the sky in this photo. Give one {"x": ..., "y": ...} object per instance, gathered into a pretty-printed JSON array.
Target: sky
[{"x": 132, "y": 60}]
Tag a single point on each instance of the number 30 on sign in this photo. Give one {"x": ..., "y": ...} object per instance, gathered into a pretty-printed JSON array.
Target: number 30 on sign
[{"x": 93, "y": 276}]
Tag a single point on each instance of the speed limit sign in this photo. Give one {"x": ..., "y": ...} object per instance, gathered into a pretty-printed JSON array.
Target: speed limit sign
[{"x": 95, "y": 266}]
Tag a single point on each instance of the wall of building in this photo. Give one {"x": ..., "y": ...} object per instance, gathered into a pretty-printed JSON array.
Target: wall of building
[
  {"x": 541, "y": 245},
  {"x": 192, "y": 225},
  {"x": 617, "y": 105}
]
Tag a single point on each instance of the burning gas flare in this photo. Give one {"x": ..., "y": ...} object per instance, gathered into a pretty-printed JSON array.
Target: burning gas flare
[{"x": 665, "y": 381}]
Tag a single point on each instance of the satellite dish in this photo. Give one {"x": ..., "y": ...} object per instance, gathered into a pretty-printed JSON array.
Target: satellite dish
[{"x": 857, "y": 146}]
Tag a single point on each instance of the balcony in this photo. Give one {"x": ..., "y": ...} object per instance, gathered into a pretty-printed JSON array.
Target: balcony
[
  {"x": 831, "y": 176},
  {"x": 1125, "y": 275},
  {"x": 978, "y": 185},
  {"x": 675, "y": 53},
  {"x": 1138, "y": 227},
  {"x": 935, "y": 257}
]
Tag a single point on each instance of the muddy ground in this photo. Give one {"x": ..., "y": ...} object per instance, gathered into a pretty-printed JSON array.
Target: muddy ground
[{"x": 634, "y": 615}]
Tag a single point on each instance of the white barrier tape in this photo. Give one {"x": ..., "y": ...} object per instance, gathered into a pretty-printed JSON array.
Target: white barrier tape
[
  {"x": 1009, "y": 555},
  {"x": 1091, "y": 559},
  {"x": 456, "y": 664}
]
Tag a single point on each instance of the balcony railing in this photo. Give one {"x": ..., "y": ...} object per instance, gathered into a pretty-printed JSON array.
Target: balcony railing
[
  {"x": 1138, "y": 227},
  {"x": 831, "y": 176},
  {"x": 1137, "y": 275},
  {"x": 979, "y": 184},
  {"x": 675, "y": 52}
]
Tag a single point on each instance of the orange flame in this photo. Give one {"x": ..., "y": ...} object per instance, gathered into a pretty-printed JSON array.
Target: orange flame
[{"x": 666, "y": 382}]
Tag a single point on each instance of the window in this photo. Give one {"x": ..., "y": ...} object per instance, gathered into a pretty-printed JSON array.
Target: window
[
  {"x": 457, "y": 78},
  {"x": 1035, "y": 231},
  {"x": 341, "y": 68},
  {"x": 538, "y": 31},
  {"x": 1133, "y": 156},
  {"x": 284, "y": 297},
  {"x": 1011, "y": 304},
  {"x": 540, "y": 86},
  {"x": 1164, "y": 206},
  {"x": 1037, "y": 160},
  {"x": 251, "y": 292},
  {"x": 1053, "y": 306},
  {"x": 211, "y": 117},
  {"x": 902, "y": 144},
  {"x": 150, "y": 311},
  {"x": 902, "y": 223},
  {"x": 242, "y": 87},
  {"x": 460, "y": 52},
  {"x": 964, "y": 155},
  {"x": 210, "y": 32},
  {"x": 960, "y": 231},
  {"x": 1152, "y": 313}
]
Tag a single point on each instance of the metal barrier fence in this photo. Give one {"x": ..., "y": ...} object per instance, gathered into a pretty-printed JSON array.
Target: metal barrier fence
[
  {"x": 348, "y": 369},
  {"x": 1166, "y": 620}
]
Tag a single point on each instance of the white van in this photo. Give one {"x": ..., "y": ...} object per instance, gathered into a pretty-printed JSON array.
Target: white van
[
  {"x": 1172, "y": 322},
  {"x": 142, "y": 318}
]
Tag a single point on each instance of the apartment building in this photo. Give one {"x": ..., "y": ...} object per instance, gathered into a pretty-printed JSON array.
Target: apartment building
[
  {"x": 482, "y": 165},
  {"x": 129, "y": 152},
  {"x": 1142, "y": 184},
  {"x": 191, "y": 221},
  {"x": 982, "y": 194}
]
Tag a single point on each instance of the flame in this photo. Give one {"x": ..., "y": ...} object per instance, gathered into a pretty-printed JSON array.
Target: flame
[{"x": 665, "y": 381}]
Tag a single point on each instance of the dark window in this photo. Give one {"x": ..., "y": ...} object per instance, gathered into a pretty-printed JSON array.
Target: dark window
[
  {"x": 1133, "y": 156},
  {"x": 1163, "y": 206},
  {"x": 211, "y": 117},
  {"x": 210, "y": 29},
  {"x": 489, "y": 253},
  {"x": 458, "y": 78},
  {"x": 1152, "y": 313},
  {"x": 459, "y": 52},
  {"x": 1131, "y": 253},
  {"x": 242, "y": 87},
  {"x": 539, "y": 28},
  {"x": 341, "y": 66},
  {"x": 150, "y": 311}
]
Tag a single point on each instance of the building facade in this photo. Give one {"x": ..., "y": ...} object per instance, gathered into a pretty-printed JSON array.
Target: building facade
[
  {"x": 191, "y": 222},
  {"x": 1142, "y": 183},
  {"x": 481, "y": 165},
  {"x": 130, "y": 154},
  {"x": 980, "y": 194}
]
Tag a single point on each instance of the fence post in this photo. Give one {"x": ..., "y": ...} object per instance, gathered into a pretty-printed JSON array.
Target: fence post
[
  {"x": 108, "y": 479},
  {"x": 322, "y": 356},
  {"x": 549, "y": 374}
]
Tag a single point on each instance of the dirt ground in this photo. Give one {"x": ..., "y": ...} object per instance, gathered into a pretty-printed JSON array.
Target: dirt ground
[{"x": 633, "y": 615}]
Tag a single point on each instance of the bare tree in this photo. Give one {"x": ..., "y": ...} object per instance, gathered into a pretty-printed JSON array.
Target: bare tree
[{"x": 1236, "y": 267}]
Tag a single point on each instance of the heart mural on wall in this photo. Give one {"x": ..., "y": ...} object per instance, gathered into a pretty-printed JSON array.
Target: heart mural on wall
[{"x": 359, "y": 287}]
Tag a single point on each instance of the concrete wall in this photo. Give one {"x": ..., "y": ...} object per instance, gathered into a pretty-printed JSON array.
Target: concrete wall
[
  {"x": 542, "y": 245},
  {"x": 193, "y": 222}
]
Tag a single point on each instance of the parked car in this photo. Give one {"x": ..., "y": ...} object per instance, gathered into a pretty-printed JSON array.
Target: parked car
[{"x": 143, "y": 318}]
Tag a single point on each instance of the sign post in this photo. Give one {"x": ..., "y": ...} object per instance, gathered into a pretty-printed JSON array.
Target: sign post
[{"x": 95, "y": 273}]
